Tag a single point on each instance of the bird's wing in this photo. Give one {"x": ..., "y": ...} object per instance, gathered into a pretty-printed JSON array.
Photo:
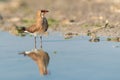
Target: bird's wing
[
  {"x": 32, "y": 28},
  {"x": 33, "y": 56}
]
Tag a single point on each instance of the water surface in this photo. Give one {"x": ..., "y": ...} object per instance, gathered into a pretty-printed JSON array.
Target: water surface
[{"x": 74, "y": 59}]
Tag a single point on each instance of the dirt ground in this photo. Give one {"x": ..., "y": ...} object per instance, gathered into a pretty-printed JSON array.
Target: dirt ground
[{"x": 66, "y": 16}]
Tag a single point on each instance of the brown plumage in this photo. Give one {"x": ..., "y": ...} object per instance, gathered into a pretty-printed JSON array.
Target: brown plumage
[
  {"x": 41, "y": 58},
  {"x": 39, "y": 27},
  {"x": 41, "y": 24}
]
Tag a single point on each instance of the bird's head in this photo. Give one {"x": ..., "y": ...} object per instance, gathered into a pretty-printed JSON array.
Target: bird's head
[
  {"x": 43, "y": 70},
  {"x": 41, "y": 13},
  {"x": 44, "y": 11}
]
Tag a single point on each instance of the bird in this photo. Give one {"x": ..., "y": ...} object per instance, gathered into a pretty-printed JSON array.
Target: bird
[
  {"x": 39, "y": 27},
  {"x": 41, "y": 58}
]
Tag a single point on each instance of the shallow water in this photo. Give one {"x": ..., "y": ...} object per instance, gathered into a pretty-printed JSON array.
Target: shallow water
[{"x": 74, "y": 59}]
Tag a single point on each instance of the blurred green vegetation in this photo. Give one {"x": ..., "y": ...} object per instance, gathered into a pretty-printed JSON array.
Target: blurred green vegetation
[
  {"x": 88, "y": 25},
  {"x": 4, "y": 0},
  {"x": 97, "y": 25},
  {"x": 85, "y": 25},
  {"x": 116, "y": 39},
  {"x": 52, "y": 22},
  {"x": 28, "y": 22}
]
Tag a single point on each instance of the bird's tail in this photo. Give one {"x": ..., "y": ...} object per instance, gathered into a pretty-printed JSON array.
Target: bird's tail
[
  {"x": 23, "y": 53},
  {"x": 20, "y": 29}
]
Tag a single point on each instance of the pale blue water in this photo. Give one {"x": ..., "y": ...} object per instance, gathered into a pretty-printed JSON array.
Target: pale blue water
[{"x": 74, "y": 59}]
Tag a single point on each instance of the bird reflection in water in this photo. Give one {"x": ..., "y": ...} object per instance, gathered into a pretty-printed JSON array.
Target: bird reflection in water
[{"x": 41, "y": 58}]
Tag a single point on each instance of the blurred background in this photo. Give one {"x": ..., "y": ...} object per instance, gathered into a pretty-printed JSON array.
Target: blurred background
[{"x": 64, "y": 15}]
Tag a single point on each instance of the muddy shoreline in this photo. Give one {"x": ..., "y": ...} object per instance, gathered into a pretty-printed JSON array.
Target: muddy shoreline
[{"x": 64, "y": 16}]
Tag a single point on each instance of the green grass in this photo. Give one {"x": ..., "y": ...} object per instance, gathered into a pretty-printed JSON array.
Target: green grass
[
  {"x": 52, "y": 22},
  {"x": 97, "y": 25},
  {"x": 28, "y": 21},
  {"x": 85, "y": 25}
]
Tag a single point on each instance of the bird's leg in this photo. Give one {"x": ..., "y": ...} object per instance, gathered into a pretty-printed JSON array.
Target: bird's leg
[
  {"x": 35, "y": 42},
  {"x": 40, "y": 41}
]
